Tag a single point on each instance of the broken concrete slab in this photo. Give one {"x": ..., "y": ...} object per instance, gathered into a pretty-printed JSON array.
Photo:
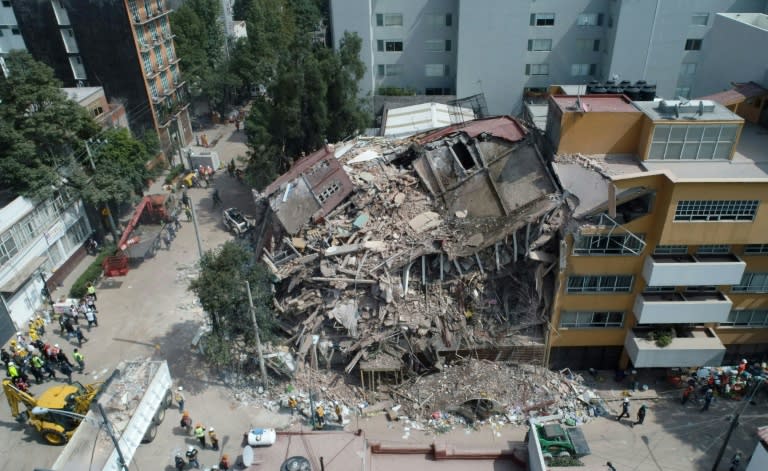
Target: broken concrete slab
[{"x": 425, "y": 221}]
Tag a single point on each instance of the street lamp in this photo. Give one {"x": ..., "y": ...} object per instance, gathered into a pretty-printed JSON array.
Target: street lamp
[{"x": 37, "y": 410}]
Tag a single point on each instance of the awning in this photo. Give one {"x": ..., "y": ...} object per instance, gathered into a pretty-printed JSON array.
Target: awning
[{"x": 22, "y": 275}]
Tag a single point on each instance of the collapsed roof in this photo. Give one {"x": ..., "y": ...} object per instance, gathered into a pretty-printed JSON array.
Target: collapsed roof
[{"x": 438, "y": 245}]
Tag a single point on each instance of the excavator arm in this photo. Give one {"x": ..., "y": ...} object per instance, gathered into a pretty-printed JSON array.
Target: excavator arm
[{"x": 16, "y": 397}]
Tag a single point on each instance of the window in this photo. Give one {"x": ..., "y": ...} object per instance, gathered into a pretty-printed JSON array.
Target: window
[
  {"x": 693, "y": 44},
  {"x": 8, "y": 247},
  {"x": 389, "y": 19},
  {"x": 700, "y": 19},
  {"x": 747, "y": 318},
  {"x": 590, "y": 19},
  {"x": 589, "y": 320},
  {"x": 147, "y": 62},
  {"x": 684, "y": 92},
  {"x": 716, "y": 210},
  {"x": 659, "y": 289},
  {"x": 587, "y": 45},
  {"x": 1, "y": 32},
  {"x": 756, "y": 249},
  {"x": 582, "y": 70},
  {"x": 7, "y": 3},
  {"x": 15, "y": 31},
  {"x": 693, "y": 142},
  {"x": 536, "y": 69},
  {"x": 389, "y": 46},
  {"x": 624, "y": 244},
  {"x": 96, "y": 111},
  {"x": 599, "y": 284},
  {"x": 539, "y": 44},
  {"x": 438, "y": 45},
  {"x": 437, "y": 91},
  {"x": 752, "y": 283},
  {"x": 437, "y": 19},
  {"x": 159, "y": 56},
  {"x": 670, "y": 250},
  {"x": 542, "y": 19},
  {"x": 713, "y": 249},
  {"x": 688, "y": 68},
  {"x": 334, "y": 187},
  {"x": 436, "y": 70},
  {"x": 389, "y": 70}
]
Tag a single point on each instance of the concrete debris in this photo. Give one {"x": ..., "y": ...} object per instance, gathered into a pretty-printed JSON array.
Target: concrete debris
[{"x": 428, "y": 250}]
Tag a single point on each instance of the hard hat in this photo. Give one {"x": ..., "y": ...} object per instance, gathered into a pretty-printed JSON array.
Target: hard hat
[
  {"x": 56, "y": 345},
  {"x": 626, "y": 399},
  {"x": 210, "y": 429},
  {"x": 186, "y": 413},
  {"x": 225, "y": 457},
  {"x": 743, "y": 360},
  {"x": 19, "y": 333},
  {"x": 13, "y": 342},
  {"x": 10, "y": 363},
  {"x": 181, "y": 388},
  {"x": 190, "y": 448}
]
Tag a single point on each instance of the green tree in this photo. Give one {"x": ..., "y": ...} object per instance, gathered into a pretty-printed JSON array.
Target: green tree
[
  {"x": 221, "y": 290},
  {"x": 40, "y": 128}
]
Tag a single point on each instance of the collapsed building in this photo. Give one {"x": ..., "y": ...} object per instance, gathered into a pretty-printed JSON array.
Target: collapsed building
[{"x": 394, "y": 256}]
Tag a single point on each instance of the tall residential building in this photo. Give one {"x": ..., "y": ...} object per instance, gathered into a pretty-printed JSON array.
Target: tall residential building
[
  {"x": 504, "y": 48},
  {"x": 124, "y": 46},
  {"x": 665, "y": 262}
]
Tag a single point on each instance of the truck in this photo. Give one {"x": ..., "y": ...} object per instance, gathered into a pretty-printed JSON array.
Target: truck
[
  {"x": 557, "y": 441},
  {"x": 129, "y": 408}
]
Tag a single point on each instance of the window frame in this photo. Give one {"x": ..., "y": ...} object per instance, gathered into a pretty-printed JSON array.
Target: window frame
[
  {"x": 678, "y": 141},
  {"x": 609, "y": 322},
  {"x": 389, "y": 70},
  {"x": 693, "y": 44},
  {"x": 546, "y": 47},
  {"x": 588, "y": 70},
  {"x": 755, "y": 249},
  {"x": 752, "y": 282},
  {"x": 695, "y": 15},
  {"x": 754, "y": 314},
  {"x": 529, "y": 69},
  {"x": 381, "y": 20},
  {"x": 595, "y": 19},
  {"x": 444, "y": 72},
  {"x": 707, "y": 210},
  {"x": 593, "y": 245},
  {"x": 581, "y": 284},
  {"x": 542, "y": 19},
  {"x": 389, "y": 45},
  {"x": 685, "y": 68},
  {"x": 713, "y": 249}
]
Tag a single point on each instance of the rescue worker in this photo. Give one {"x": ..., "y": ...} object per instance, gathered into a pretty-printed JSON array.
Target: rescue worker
[
  {"x": 40, "y": 323},
  {"x": 320, "y": 415},
  {"x": 5, "y": 356},
  {"x": 37, "y": 368},
  {"x": 200, "y": 434},
  {"x": 214, "y": 439},
  {"x": 13, "y": 371},
  {"x": 186, "y": 422},
  {"x": 337, "y": 409},
  {"x": 179, "y": 398},
  {"x": 224, "y": 463},
  {"x": 192, "y": 457},
  {"x": 91, "y": 291},
  {"x": 80, "y": 359},
  {"x": 179, "y": 462},
  {"x": 37, "y": 359},
  {"x": 293, "y": 404}
]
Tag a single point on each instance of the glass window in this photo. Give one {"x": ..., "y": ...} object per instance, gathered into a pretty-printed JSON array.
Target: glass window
[
  {"x": 539, "y": 44},
  {"x": 716, "y": 210},
  {"x": 752, "y": 283},
  {"x": 693, "y": 44},
  {"x": 589, "y": 19},
  {"x": 700, "y": 19},
  {"x": 713, "y": 249},
  {"x": 389, "y": 19},
  {"x": 624, "y": 244},
  {"x": 389, "y": 46},
  {"x": 688, "y": 68},
  {"x": 581, "y": 70},
  {"x": 437, "y": 45},
  {"x": 589, "y": 320},
  {"x": 599, "y": 284},
  {"x": 389, "y": 70},
  {"x": 435, "y": 70},
  {"x": 670, "y": 249},
  {"x": 747, "y": 318},
  {"x": 693, "y": 142},
  {"x": 756, "y": 249},
  {"x": 542, "y": 19},
  {"x": 536, "y": 69}
]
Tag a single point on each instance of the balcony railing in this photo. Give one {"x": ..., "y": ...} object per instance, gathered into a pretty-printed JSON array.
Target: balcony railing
[
  {"x": 682, "y": 308},
  {"x": 697, "y": 346},
  {"x": 693, "y": 270}
]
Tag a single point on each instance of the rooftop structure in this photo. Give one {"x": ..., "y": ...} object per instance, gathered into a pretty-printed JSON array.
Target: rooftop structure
[{"x": 409, "y": 120}]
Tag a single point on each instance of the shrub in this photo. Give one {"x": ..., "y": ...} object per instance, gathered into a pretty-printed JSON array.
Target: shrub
[
  {"x": 91, "y": 274},
  {"x": 173, "y": 173},
  {"x": 663, "y": 338}
]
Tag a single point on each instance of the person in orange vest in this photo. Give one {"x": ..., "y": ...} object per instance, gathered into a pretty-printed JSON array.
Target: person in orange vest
[{"x": 687, "y": 394}]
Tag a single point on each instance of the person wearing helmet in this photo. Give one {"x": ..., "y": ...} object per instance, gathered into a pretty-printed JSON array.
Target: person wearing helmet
[
  {"x": 624, "y": 409},
  {"x": 200, "y": 434},
  {"x": 214, "y": 439},
  {"x": 192, "y": 457},
  {"x": 292, "y": 404},
  {"x": 186, "y": 422},
  {"x": 179, "y": 397},
  {"x": 224, "y": 463}
]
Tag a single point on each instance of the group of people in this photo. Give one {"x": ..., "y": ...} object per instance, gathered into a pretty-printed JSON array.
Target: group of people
[
  {"x": 38, "y": 358},
  {"x": 641, "y": 412},
  {"x": 199, "y": 431}
]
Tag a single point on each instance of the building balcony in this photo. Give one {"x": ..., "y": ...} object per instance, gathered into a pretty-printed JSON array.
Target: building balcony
[
  {"x": 153, "y": 14},
  {"x": 682, "y": 308},
  {"x": 698, "y": 346},
  {"x": 693, "y": 270}
]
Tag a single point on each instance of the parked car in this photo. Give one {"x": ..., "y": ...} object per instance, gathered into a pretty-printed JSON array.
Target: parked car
[{"x": 235, "y": 221}]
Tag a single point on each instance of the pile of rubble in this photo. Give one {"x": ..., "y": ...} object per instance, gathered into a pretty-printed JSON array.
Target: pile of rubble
[{"x": 393, "y": 256}]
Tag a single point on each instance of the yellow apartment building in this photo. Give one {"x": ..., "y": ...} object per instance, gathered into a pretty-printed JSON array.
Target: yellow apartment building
[{"x": 665, "y": 263}]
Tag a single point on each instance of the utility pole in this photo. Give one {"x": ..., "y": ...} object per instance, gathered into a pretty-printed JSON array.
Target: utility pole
[
  {"x": 262, "y": 367},
  {"x": 105, "y": 211},
  {"x": 734, "y": 423},
  {"x": 197, "y": 229},
  {"x": 111, "y": 433}
]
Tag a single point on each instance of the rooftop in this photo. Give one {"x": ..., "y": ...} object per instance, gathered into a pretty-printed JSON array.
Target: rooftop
[
  {"x": 408, "y": 120},
  {"x": 738, "y": 94},
  {"x": 503, "y": 127},
  {"x": 604, "y": 103},
  {"x": 758, "y": 20},
  {"x": 686, "y": 110},
  {"x": 81, "y": 93}
]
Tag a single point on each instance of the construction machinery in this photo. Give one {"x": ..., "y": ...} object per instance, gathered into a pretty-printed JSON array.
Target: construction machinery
[
  {"x": 129, "y": 408},
  {"x": 62, "y": 403},
  {"x": 558, "y": 441}
]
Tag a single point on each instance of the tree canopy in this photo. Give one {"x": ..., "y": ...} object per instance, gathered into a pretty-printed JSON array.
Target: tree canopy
[
  {"x": 40, "y": 128},
  {"x": 221, "y": 289},
  {"x": 310, "y": 89}
]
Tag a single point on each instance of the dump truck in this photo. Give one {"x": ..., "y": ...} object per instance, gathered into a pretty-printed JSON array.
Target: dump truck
[
  {"x": 58, "y": 408},
  {"x": 129, "y": 408},
  {"x": 559, "y": 441}
]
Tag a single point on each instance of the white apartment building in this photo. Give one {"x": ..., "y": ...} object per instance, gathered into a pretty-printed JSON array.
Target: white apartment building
[
  {"x": 36, "y": 240},
  {"x": 502, "y": 48}
]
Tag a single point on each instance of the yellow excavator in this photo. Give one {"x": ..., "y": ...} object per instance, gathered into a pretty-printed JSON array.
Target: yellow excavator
[{"x": 55, "y": 425}]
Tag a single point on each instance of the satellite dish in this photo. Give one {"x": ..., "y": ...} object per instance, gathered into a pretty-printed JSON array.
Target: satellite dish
[{"x": 247, "y": 456}]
